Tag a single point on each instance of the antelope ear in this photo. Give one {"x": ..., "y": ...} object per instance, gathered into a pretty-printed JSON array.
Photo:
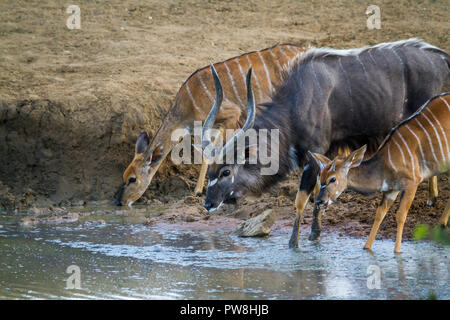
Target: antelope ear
[
  {"x": 320, "y": 159},
  {"x": 355, "y": 158},
  {"x": 142, "y": 143},
  {"x": 156, "y": 154}
]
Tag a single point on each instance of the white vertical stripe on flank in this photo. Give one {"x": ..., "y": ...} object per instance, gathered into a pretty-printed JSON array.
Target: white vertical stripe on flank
[
  {"x": 315, "y": 74},
  {"x": 371, "y": 56},
  {"x": 445, "y": 103},
  {"x": 364, "y": 68},
  {"x": 241, "y": 71},
  {"x": 401, "y": 150},
  {"x": 233, "y": 84},
  {"x": 442, "y": 130},
  {"x": 267, "y": 71},
  {"x": 424, "y": 161},
  {"x": 348, "y": 84},
  {"x": 403, "y": 73},
  {"x": 430, "y": 61},
  {"x": 292, "y": 51},
  {"x": 245, "y": 79},
  {"x": 284, "y": 53},
  {"x": 436, "y": 133},
  {"x": 413, "y": 167},
  {"x": 389, "y": 158},
  {"x": 277, "y": 62},
  {"x": 258, "y": 84},
  {"x": 205, "y": 87},
  {"x": 192, "y": 99},
  {"x": 429, "y": 140}
]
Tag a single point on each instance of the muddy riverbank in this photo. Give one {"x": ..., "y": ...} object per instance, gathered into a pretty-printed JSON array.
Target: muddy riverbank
[{"x": 352, "y": 215}]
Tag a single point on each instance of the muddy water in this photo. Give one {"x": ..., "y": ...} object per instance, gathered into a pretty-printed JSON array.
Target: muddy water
[{"x": 119, "y": 257}]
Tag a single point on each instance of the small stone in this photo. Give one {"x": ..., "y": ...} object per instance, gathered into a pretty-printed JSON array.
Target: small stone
[
  {"x": 258, "y": 226},
  {"x": 190, "y": 218},
  {"x": 149, "y": 222}
]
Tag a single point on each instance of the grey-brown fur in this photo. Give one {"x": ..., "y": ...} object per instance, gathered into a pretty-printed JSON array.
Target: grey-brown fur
[{"x": 334, "y": 97}]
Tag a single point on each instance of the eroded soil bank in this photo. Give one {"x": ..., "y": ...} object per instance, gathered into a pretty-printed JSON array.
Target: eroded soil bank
[
  {"x": 352, "y": 215},
  {"x": 72, "y": 102}
]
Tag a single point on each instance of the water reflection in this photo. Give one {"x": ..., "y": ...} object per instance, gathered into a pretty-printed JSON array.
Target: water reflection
[{"x": 120, "y": 258}]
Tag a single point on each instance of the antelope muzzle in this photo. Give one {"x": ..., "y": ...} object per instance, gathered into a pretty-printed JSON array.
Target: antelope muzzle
[{"x": 120, "y": 195}]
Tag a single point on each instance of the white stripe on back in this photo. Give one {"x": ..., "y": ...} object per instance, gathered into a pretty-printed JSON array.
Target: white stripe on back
[
  {"x": 192, "y": 99},
  {"x": 258, "y": 84},
  {"x": 277, "y": 62},
  {"x": 364, "y": 68},
  {"x": 437, "y": 135},
  {"x": 373, "y": 59},
  {"x": 429, "y": 139},
  {"x": 420, "y": 147},
  {"x": 290, "y": 50},
  {"x": 233, "y": 84},
  {"x": 401, "y": 150},
  {"x": 448, "y": 106},
  {"x": 403, "y": 74},
  {"x": 429, "y": 60},
  {"x": 205, "y": 87},
  {"x": 410, "y": 155},
  {"x": 442, "y": 130},
  {"x": 315, "y": 75},
  {"x": 283, "y": 53},
  {"x": 267, "y": 71},
  {"x": 348, "y": 84},
  {"x": 389, "y": 158}
]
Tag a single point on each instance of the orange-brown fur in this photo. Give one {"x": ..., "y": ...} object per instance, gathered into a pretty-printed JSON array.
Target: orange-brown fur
[{"x": 417, "y": 149}]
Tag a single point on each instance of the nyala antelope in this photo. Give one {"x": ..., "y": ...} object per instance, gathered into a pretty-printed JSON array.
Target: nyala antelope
[
  {"x": 331, "y": 98},
  {"x": 416, "y": 149},
  {"x": 192, "y": 103}
]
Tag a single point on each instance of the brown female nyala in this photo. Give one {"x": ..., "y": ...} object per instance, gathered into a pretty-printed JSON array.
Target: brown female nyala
[{"x": 416, "y": 149}]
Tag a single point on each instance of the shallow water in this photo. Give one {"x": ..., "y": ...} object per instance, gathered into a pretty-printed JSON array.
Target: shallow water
[{"x": 120, "y": 258}]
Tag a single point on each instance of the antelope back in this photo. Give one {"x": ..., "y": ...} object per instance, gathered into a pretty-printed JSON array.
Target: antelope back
[{"x": 418, "y": 147}]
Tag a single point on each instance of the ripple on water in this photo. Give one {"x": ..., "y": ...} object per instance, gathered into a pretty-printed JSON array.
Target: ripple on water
[{"x": 171, "y": 264}]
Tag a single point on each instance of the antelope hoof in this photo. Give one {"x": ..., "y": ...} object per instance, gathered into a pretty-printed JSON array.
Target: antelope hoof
[
  {"x": 315, "y": 234},
  {"x": 293, "y": 244},
  {"x": 431, "y": 202}
]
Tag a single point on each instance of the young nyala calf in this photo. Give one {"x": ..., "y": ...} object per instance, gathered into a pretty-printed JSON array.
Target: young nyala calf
[{"x": 414, "y": 150}]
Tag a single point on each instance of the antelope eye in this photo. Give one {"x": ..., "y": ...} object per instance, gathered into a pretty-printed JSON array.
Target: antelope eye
[
  {"x": 332, "y": 180},
  {"x": 226, "y": 173},
  {"x": 131, "y": 180}
]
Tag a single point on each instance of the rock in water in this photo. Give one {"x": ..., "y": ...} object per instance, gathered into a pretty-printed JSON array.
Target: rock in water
[{"x": 258, "y": 226}]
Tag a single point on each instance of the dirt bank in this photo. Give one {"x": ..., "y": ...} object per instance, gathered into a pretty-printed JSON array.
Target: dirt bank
[
  {"x": 72, "y": 102},
  {"x": 351, "y": 215}
]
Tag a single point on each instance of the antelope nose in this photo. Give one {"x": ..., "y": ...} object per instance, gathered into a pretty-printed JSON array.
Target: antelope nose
[
  {"x": 208, "y": 205},
  {"x": 119, "y": 196}
]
